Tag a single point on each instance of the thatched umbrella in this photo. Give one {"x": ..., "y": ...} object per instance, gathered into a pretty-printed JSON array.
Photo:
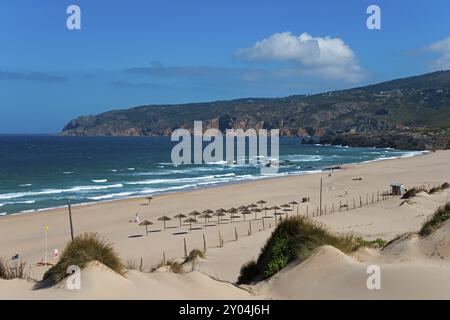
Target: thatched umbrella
[
  {"x": 164, "y": 219},
  {"x": 261, "y": 202},
  {"x": 149, "y": 199},
  {"x": 179, "y": 216},
  {"x": 190, "y": 221},
  {"x": 285, "y": 206},
  {"x": 265, "y": 211},
  {"x": 256, "y": 210},
  {"x": 252, "y": 205},
  {"x": 293, "y": 203},
  {"x": 195, "y": 213},
  {"x": 245, "y": 212},
  {"x": 242, "y": 208},
  {"x": 206, "y": 217},
  {"x": 219, "y": 214},
  {"x": 275, "y": 208},
  {"x": 146, "y": 223},
  {"x": 233, "y": 211}
]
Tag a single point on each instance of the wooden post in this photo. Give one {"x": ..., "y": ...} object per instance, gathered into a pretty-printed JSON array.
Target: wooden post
[
  {"x": 185, "y": 249},
  {"x": 164, "y": 258},
  {"x": 348, "y": 209},
  {"x": 307, "y": 209},
  {"x": 250, "y": 228},
  {"x": 236, "y": 234},
  {"x": 360, "y": 201},
  {"x": 204, "y": 243},
  {"x": 321, "y": 183},
  {"x": 220, "y": 239},
  {"x": 263, "y": 223},
  {"x": 70, "y": 219},
  {"x": 141, "y": 265},
  {"x": 373, "y": 197}
]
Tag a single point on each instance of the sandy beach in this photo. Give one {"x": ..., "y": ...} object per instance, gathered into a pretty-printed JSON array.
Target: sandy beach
[{"x": 328, "y": 274}]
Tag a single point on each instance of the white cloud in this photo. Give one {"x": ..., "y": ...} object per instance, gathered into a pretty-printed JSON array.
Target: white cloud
[
  {"x": 321, "y": 56},
  {"x": 442, "y": 48}
]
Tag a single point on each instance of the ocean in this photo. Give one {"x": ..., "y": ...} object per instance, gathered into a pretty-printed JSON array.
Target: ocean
[{"x": 38, "y": 172}]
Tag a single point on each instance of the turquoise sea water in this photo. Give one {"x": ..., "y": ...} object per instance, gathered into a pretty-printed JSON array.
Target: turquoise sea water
[{"x": 39, "y": 172}]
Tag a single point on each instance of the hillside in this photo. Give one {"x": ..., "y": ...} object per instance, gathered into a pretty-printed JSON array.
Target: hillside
[{"x": 417, "y": 105}]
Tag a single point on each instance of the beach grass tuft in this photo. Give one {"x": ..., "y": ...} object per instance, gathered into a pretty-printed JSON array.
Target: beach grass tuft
[
  {"x": 436, "y": 220},
  {"x": 194, "y": 255},
  {"x": 174, "y": 266},
  {"x": 411, "y": 193},
  {"x": 85, "y": 248},
  {"x": 378, "y": 243},
  {"x": 295, "y": 238},
  {"x": 12, "y": 270}
]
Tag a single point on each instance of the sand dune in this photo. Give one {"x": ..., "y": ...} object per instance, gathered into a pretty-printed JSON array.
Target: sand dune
[{"x": 328, "y": 274}]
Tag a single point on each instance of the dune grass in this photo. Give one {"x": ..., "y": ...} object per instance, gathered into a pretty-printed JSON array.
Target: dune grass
[
  {"x": 194, "y": 255},
  {"x": 411, "y": 193},
  {"x": 12, "y": 270},
  {"x": 173, "y": 265},
  {"x": 295, "y": 238},
  {"x": 85, "y": 248},
  {"x": 378, "y": 243},
  {"x": 436, "y": 220}
]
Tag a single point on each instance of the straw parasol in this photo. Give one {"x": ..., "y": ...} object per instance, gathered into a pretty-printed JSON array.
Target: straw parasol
[
  {"x": 219, "y": 214},
  {"x": 206, "y": 217},
  {"x": 245, "y": 212},
  {"x": 179, "y": 216},
  {"x": 265, "y": 211},
  {"x": 146, "y": 223},
  {"x": 261, "y": 202},
  {"x": 293, "y": 203},
  {"x": 164, "y": 219},
  {"x": 256, "y": 210},
  {"x": 252, "y": 205},
  {"x": 285, "y": 206},
  {"x": 275, "y": 208},
  {"x": 190, "y": 221},
  {"x": 233, "y": 211},
  {"x": 242, "y": 208},
  {"x": 195, "y": 213},
  {"x": 207, "y": 211},
  {"x": 149, "y": 199}
]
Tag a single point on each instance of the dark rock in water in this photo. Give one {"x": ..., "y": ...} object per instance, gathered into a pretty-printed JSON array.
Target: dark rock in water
[{"x": 287, "y": 163}]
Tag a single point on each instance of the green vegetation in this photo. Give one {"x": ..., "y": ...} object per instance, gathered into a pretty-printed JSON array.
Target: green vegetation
[
  {"x": 194, "y": 255},
  {"x": 409, "y": 113},
  {"x": 173, "y": 265},
  {"x": 12, "y": 270},
  {"x": 434, "y": 190},
  {"x": 295, "y": 238},
  {"x": 436, "y": 220},
  {"x": 85, "y": 248},
  {"x": 377, "y": 243},
  {"x": 411, "y": 193}
]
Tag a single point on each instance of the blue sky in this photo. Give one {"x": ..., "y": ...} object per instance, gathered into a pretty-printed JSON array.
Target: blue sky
[{"x": 131, "y": 53}]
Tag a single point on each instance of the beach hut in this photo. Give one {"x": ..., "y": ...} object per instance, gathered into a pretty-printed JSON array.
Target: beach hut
[
  {"x": 397, "y": 188},
  {"x": 146, "y": 223}
]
